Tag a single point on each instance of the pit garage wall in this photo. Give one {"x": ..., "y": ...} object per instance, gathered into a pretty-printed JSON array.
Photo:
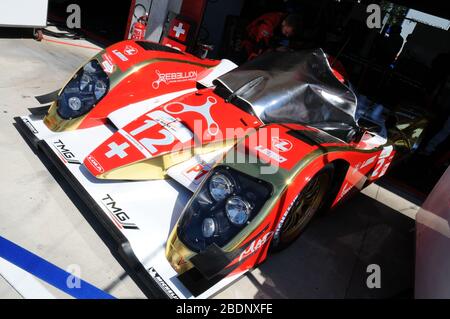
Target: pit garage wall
[
  {"x": 433, "y": 243},
  {"x": 158, "y": 15},
  {"x": 159, "y": 10}
]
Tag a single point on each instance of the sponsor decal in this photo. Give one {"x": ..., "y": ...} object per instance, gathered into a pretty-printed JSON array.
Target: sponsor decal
[
  {"x": 256, "y": 245},
  {"x": 30, "y": 126},
  {"x": 204, "y": 110},
  {"x": 107, "y": 64},
  {"x": 172, "y": 125},
  {"x": 282, "y": 145},
  {"x": 384, "y": 161},
  {"x": 99, "y": 168},
  {"x": 65, "y": 154},
  {"x": 196, "y": 173},
  {"x": 347, "y": 187},
  {"x": 280, "y": 224},
  {"x": 362, "y": 165},
  {"x": 130, "y": 50},
  {"x": 386, "y": 151},
  {"x": 368, "y": 162},
  {"x": 161, "y": 283},
  {"x": 173, "y": 77},
  {"x": 120, "y": 55},
  {"x": 117, "y": 214},
  {"x": 270, "y": 154}
]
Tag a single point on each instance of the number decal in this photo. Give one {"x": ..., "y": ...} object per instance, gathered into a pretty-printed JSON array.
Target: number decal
[
  {"x": 383, "y": 163},
  {"x": 148, "y": 124},
  {"x": 378, "y": 167},
  {"x": 150, "y": 143}
]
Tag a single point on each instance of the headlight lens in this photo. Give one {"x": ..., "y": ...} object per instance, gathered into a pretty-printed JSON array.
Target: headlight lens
[
  {"x": 220, "y": 187},
  {"x": 238, "y": 210},
  {"x": 85, "y": 81},
  {"x": 100, "y": 89},
  {"x": 227, "y": 201},
  {"x": 88, "y": 86},
  {"x": 208, "y": 227},
  {"x": 75, "y": 103}
]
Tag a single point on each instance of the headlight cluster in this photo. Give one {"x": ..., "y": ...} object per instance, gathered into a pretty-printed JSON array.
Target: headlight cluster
[
  {"x": 88, "y": 86},
  {"x": 226, "y": 203}
]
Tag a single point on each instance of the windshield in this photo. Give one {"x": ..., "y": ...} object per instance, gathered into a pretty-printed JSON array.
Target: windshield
[{"x": 291, "y": 87}]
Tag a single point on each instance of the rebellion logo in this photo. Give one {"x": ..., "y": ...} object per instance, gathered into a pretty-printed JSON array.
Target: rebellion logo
[
  {"x": 162, "y": 284},
  {"x": 173, "y": 77},
  {"x": 204, "y": 110},
  {"x": 64, "y": 153},
  {"x": 118, "y": 215}
]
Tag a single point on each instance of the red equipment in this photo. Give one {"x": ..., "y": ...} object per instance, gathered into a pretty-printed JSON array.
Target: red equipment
[
  {"x": 139, "y": 28},
  {"x": 180, "y": 34}
]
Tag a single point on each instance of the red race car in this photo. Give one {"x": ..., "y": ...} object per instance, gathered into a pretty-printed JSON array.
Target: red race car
[{"x": 199, "y": 182}]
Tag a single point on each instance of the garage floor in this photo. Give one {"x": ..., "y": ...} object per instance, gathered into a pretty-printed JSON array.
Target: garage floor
[{"x": 40, "y": 213}]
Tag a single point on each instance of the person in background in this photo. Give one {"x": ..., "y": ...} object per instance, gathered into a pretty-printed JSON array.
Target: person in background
[{"x": 271, "y": 31}]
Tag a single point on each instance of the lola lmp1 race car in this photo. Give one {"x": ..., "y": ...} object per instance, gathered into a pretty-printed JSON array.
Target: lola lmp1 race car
[{"x": 200, "y": 168}]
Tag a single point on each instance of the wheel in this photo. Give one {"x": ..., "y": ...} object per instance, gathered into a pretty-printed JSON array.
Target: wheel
[
  {"x": 38, "y": 35},
  {"x": 307, "y": 203}
]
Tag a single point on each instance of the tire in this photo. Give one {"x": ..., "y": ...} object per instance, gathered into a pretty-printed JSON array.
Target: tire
[
  {"x": 38, "y": 35},
  {"x": 303, "y": 208}
]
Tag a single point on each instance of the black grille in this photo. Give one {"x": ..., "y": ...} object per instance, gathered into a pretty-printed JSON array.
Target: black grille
[{"x": 151, "y": 46}]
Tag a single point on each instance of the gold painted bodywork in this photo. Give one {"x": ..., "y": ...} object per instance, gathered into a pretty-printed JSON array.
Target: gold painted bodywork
[
  {"x": 403, "y": 140},
  {"x": 156, "y": 167},
  {"x": 57, "y": 124},
  {"x": 176, "y": 250}
]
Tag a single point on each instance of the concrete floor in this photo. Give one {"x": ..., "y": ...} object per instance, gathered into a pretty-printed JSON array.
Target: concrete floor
[{"x": 41, "y": 213}]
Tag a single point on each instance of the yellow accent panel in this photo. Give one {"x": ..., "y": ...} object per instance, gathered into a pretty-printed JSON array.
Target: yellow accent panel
[
  {"x": 146, "y": 170},
  {"x": 178, "y": 254},
  {"x": 57, "y": 124},
  {"x": 155, "y": 168}
]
